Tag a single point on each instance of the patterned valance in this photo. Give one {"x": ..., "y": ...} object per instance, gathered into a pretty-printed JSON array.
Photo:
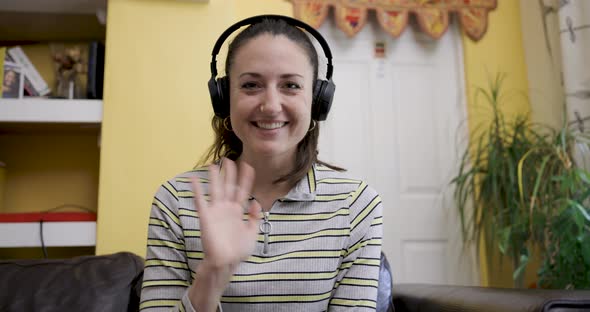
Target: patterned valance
[{"x": 432, "y": 15}]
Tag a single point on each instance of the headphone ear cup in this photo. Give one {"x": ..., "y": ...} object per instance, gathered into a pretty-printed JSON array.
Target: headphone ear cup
[
  {"x": 215, "y": 96},
  {"x": 223, "y": 84},
  {"x": 219, "y": 92},
  {"x": 323, "y": 94}
]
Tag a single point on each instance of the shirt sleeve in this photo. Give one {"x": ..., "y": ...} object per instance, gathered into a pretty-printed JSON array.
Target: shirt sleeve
[
  {"x": 166, "y": 276},
  {"x": 358, "y": 275}
]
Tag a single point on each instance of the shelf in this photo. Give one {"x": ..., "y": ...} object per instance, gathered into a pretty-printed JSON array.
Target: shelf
[
  {"x": 51, "y": 141},
  {"x": 39, "y": 110},
  {"x": 55, "y": 234}
]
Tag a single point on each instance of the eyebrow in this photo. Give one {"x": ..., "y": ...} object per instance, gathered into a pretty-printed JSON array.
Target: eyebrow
[{"x": 283, "y": 76}]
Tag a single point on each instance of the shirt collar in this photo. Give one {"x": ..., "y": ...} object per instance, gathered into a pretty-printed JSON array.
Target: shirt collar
[{"x": 305, "y": 189}]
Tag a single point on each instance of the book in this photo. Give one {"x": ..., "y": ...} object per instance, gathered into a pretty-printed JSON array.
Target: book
[
  {"x": 5, "y": 55},
  {"x": 2, "y": 59},
  {"x": 95, "y": 79},
  {"x": 34, "y": 84},
  {"x": 12, "y": 80}
]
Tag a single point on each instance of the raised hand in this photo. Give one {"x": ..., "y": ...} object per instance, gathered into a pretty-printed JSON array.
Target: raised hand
[{"x": 227, "y": 239}]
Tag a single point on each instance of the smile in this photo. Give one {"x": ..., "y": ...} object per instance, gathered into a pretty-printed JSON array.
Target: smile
[{"x": 269, "y": 125}]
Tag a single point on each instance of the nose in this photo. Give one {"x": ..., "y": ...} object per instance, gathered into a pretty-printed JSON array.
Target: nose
[{"x": 272, "y": 100}]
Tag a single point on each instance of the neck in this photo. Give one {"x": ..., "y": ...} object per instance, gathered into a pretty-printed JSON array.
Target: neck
[{"x": 269, "y": 169}]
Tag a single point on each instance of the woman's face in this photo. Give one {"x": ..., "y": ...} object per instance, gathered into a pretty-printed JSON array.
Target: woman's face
[
  {"x": 9, "y": 78},
  {"x": 271, "y": 83}
]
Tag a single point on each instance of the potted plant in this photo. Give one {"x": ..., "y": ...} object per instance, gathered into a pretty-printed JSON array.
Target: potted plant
[
  {"x": 559, "y": 200},
  {"x": 518, "y": 187}
]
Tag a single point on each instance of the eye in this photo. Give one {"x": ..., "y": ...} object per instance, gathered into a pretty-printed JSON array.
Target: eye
[
  {"x": 292, "y": 86},
  {"x": 250, "y": 85}
]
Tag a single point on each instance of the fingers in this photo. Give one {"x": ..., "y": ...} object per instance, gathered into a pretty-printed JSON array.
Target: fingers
[
  {"x": 230, "y": 188},
  {"x": 200, "y": 202},
  {"x": 246, "y": 180},
  {"x": 215, "y": 192},
  {"x": 233, "y": 186},
  {"x": 254, "y": 211}
]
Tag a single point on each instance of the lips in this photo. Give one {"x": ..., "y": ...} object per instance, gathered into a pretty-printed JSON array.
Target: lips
[{"x": 269, "y": 125}]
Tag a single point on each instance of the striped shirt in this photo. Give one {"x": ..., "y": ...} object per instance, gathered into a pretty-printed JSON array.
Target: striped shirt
[{"x": 323, "y": 252}]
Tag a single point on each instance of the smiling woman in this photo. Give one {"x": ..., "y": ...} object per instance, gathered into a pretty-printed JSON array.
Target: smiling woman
[{"x": 265, "y": 226}]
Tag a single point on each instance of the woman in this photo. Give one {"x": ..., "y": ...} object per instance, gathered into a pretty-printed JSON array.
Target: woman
[{"x": 276, "y": 229}]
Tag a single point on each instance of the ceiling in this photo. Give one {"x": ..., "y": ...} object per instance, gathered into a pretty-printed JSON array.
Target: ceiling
[{"x": 53, "y": 6}]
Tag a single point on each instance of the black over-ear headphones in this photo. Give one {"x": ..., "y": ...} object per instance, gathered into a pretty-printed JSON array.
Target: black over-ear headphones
[{"x": 323, "y": 91}]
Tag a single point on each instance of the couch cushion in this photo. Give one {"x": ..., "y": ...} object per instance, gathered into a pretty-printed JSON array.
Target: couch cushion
[{"x": 85, "y": 284}]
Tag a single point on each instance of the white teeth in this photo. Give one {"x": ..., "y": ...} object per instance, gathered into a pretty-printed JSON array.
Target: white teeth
[{"x": 270, "y": 125}]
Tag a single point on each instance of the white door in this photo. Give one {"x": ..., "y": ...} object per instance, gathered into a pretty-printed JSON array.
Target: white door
[{"x": 395, "y": 123}]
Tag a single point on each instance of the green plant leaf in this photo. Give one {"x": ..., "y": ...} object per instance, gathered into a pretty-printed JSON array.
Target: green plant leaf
[
  {"x": 524, "y": 260},
  {"x": 583, "y": 212},
  {"x": 504, "y": 241},
  {"x": 583, "y": 175}
]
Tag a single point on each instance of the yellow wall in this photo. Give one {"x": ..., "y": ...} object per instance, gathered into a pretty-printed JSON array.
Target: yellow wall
[
  {"x": 500, "y": 50},
  {"x": 156, "y": 105}
]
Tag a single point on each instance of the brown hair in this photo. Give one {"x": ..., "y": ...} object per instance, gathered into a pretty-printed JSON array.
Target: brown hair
[{"x": 227, "y": 144}]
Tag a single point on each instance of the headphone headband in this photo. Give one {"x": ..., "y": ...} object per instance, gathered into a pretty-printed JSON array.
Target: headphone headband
[
  {"x": 323, "y": 90},
  {"x": 260, "y": 18}
]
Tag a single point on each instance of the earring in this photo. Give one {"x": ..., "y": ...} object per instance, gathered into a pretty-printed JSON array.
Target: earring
[
  {"x": 226, "y": 122},
  {"x": 313, "y": 123}
]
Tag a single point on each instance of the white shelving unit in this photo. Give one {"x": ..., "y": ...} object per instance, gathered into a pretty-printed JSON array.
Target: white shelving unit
[
  {"x": 39, "y": 110},
  {"x": 55, "y": 234},
  {"x": 39, "y": 116},
  {"x": 34, "y": 113}
]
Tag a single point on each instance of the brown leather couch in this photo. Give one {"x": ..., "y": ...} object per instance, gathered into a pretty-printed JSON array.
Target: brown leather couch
[
  {"x": 113, "y": 283},
  {"x": 446, "y": 298},
  {"x": 85, "y": 284},
  {"x": 426, "y": 298}
]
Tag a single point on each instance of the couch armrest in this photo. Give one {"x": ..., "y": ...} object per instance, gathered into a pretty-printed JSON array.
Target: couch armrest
[{"x": 426, "y": 298}]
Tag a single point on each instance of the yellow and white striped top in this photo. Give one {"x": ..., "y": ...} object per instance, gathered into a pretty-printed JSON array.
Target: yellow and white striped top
[{"x": 323, "y": 254}]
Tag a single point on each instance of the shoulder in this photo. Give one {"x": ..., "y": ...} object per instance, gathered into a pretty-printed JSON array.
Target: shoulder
[
  {"x": 199, "y": 173},
  {"x": 364, "y": 203},
  {"x": 180, "y": 185},
  {"x": 326, "y": 174},
  {"x": 329, "y": 180}
]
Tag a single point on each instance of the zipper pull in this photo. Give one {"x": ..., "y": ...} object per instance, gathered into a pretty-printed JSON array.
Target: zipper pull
[{"x": 265, "y": 228}]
